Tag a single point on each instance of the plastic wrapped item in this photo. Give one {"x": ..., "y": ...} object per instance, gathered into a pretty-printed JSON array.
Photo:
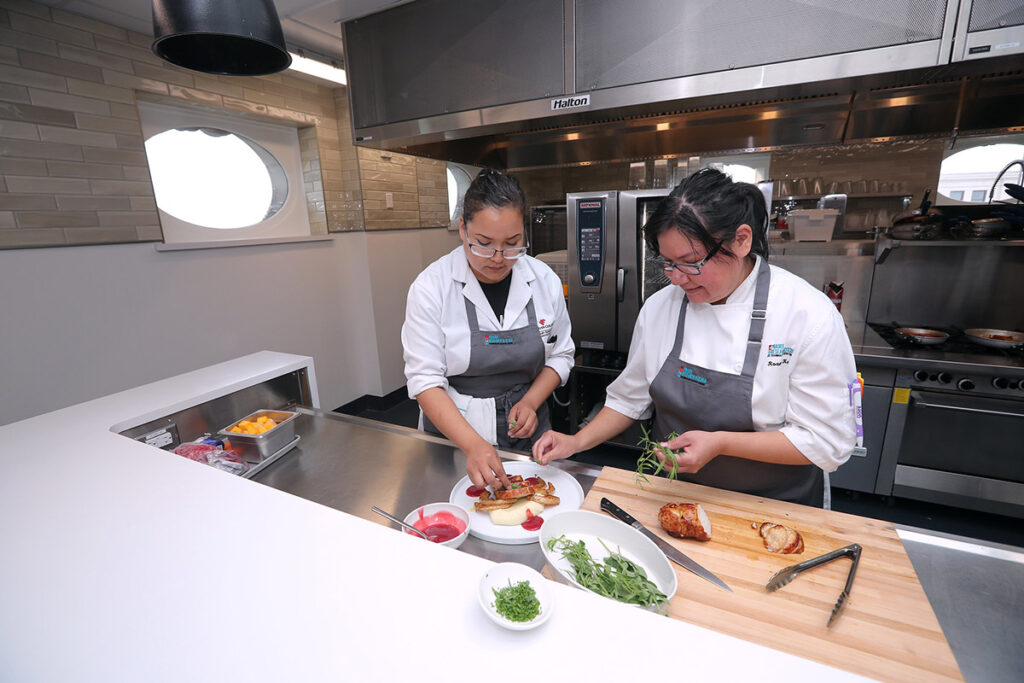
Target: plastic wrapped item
[
  {"x": 229, "y": 461},
  {"x": 199, "y": 452},
  {"x": 208, "y": 454}
]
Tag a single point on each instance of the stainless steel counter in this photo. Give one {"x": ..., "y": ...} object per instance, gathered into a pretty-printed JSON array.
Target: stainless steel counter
[
  {"x": 976, "y": 589},
  {"x": 350, "y": 463}
]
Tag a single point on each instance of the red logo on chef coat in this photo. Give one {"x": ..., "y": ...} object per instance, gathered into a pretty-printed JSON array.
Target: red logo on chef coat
[{"x": 542, "y": 321}]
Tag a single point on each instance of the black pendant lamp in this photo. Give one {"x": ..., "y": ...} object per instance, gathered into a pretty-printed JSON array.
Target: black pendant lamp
[{"x": 226, "y": 37}]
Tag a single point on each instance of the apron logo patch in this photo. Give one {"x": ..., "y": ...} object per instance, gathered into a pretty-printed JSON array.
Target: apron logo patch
[
  {"x": 498, "y": 339},
  {"x": 778, "y": 353},
  {"x": 687, "y": 373}
]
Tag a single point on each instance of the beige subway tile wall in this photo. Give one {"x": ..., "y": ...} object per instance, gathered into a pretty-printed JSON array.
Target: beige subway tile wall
[{"x": 73, "y": 168}]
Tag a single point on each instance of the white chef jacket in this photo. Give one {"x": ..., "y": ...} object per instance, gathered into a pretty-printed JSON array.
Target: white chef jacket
[
  {"x": 801, "y": 384},
  {"x": 435, "y": 336}
]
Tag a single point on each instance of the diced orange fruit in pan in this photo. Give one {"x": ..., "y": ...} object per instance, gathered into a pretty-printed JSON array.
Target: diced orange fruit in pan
[{"x": 261, "y": 425}]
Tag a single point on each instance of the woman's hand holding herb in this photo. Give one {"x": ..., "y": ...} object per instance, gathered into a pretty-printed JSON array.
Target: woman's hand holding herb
[
  {"x": 693, "y": 450},
  {"x": 522, "y": 421},
  {"x": 554, "y": 445}
]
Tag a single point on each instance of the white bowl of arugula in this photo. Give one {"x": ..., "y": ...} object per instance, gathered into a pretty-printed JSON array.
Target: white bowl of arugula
[
  {"x": 515, "y": 596},
  {"x": 605, "y": 556}
]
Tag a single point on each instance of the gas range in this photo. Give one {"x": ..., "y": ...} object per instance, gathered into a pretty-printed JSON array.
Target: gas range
[
  {"x": 965, "y": 378},
  {"x": 958, "y": 342}
]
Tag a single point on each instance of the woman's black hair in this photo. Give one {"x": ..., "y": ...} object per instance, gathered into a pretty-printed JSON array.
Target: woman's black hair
[
  {"x": 707, "y": 207},
  {"x": 493, "y": 189}
]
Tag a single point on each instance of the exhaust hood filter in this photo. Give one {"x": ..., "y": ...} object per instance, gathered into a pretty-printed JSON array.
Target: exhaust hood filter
[{"x": 238, "y": 38}]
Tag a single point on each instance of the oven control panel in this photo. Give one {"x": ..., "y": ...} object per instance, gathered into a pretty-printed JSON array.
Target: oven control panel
[
  {"x": 1003, "y": 386},
  {"x": 590, "y": 233}
]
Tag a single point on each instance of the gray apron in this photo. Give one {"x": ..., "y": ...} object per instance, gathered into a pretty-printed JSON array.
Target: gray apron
[
  {"x": 687, "y": 397},
  {"x": 502, "y": 366}
]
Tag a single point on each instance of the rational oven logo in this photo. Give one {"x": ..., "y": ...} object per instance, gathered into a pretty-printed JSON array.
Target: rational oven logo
[
  {"x": 688, "y": 373},
  {"x": 498, "y": 339}
]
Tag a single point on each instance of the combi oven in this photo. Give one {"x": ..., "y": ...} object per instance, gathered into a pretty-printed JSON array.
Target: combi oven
[{"x": 611, "y": 271}]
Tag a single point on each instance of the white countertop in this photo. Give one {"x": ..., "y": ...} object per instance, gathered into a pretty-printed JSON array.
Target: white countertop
[{"x": 121, "y": 562}]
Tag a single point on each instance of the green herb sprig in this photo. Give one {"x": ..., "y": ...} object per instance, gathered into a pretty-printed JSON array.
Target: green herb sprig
[
  {"x": 617, "y": 577},
  {"x": 517, "y": 602},
  {"x": 649, "y": 462}
]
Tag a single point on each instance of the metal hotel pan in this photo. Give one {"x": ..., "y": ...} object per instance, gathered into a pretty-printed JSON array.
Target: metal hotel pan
[
  {"x": 1000, "y": 339},
  {"x": 922, "y": 335}
]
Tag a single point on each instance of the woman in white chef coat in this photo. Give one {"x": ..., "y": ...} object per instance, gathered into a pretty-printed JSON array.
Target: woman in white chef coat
[
  {"x": 749, "y": 364},
  {"x": 486, "y": 333}
]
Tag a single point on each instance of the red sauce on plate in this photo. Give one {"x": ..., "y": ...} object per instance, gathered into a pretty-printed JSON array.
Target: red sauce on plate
[
  {"x": 532, "y": 481},
  {"x": 439, "y": 527},
  {"x": 533, "y": 522},
  {"x": 475, "y": 491}
]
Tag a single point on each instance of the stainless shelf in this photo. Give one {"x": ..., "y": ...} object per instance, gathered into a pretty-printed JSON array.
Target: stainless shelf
[
  {"x": 887, "y": 244},
  {"x": 867, "y": 195}
]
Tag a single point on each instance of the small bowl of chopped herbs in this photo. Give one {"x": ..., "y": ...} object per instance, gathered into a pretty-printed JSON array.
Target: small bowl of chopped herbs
[{"x": 515, "y": 596}]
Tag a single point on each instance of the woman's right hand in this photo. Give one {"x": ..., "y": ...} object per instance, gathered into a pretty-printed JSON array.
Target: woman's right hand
[
  {"x": 484, "y": 467},
  {"x": 554, "y": 445}
]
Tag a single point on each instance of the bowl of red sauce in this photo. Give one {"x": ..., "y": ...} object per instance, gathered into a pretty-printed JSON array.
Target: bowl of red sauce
[{"x": 443, "y": 523}]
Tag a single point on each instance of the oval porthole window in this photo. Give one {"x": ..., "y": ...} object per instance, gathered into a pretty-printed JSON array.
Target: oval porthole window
[
  {"x": 458, "y": 183},
  {"x": 215, "y": 178},
  {"x": 968, "y": 175}
]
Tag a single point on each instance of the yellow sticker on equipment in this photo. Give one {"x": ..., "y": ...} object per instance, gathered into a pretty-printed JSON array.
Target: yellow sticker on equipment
[{"x": 901, "y": 396}]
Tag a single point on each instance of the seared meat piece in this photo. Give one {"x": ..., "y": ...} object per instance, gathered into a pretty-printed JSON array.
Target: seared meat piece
[
  {"x": 780, "y": 539},
  {"x": 685, "y": 520}
]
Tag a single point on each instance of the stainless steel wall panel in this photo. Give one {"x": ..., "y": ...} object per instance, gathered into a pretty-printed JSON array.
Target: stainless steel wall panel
[
  {"x": 974, "y": 285},
  {"x": 437, "y": 56},
  {"x": 625, "y": 43}
]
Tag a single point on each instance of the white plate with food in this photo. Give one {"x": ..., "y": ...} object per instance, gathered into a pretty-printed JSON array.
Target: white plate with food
[
  {"x": 602, "y": 536},
  {"x": 511, "y": 532}
]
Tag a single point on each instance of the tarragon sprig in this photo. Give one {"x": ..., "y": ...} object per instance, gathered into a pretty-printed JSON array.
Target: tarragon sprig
[{"x": 649, "y": 462}]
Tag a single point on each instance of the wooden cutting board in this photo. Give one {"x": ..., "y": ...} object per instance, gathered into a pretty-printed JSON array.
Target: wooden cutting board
[{"x": 886, "y": 631}]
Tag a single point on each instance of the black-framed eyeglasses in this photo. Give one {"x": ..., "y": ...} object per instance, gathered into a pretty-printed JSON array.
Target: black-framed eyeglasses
[
  {"x": 489, "y": 252},
  {"x": 688, "y": 268}
]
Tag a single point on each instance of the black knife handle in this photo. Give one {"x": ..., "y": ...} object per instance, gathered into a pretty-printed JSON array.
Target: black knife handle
[{"x": 617, "y": 512}]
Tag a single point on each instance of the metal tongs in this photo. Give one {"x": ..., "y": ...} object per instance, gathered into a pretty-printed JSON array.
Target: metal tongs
[{"x": 784, "y": 576}]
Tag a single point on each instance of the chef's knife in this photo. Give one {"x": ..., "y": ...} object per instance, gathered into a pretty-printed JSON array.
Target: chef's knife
[{"x": 670, "y": 552}]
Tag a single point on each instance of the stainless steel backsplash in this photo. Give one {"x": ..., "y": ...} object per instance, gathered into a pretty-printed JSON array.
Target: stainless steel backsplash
[{"x": 972, "y": 285}]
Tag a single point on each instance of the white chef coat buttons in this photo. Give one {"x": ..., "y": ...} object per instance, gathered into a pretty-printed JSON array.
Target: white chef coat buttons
[{"x": 738, "y": 367}]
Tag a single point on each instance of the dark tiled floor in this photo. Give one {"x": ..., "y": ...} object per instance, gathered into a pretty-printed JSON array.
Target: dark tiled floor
[{"x": 957, "y": 521}]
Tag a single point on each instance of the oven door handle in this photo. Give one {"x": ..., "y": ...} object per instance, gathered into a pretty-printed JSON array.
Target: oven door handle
[
  {"x": 926, "y": 404},
  {"x": 620, "y": 285}
]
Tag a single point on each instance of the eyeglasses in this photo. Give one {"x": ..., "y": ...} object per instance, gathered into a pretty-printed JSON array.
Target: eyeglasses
[
  {"x": 489, "y": 252},
  {"x": 688, "y": 268}
]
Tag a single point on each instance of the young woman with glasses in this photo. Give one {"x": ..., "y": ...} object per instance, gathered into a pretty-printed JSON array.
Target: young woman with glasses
[
  {"x": 749, "y": 364},
  {"x": 486, "y": 333}
]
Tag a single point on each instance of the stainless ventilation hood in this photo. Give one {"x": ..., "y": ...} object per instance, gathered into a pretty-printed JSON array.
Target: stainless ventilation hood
[
  {"x": 660, "y": 78},
  {"x": 983, "y": 96}
]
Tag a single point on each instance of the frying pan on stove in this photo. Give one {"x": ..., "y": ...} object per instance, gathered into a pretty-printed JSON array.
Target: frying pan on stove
[
  {"x": 999, "y": 339},
  {"x": 922, "y": 335}
]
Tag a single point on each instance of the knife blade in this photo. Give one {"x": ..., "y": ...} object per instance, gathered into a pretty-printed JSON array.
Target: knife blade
[{"x": 670, "y": 552}]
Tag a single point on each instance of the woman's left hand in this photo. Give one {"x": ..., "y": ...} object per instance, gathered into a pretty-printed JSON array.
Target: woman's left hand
[
  {"x": 522, "y": 421},
  {"x": 693, "y": 450}
]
